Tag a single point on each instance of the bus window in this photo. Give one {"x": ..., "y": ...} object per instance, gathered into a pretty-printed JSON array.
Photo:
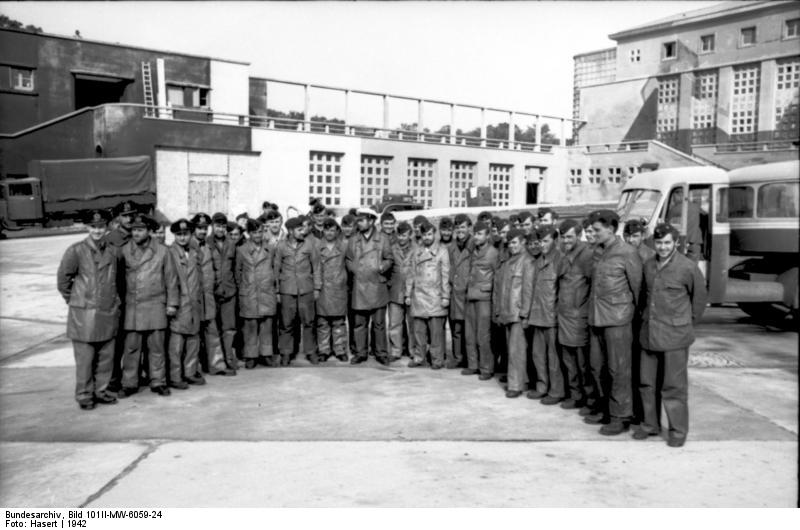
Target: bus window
[
  {"x": 638, "y": 204},
  {"x": 778, "y": 199},
  {"x": 739, "y": 202}
]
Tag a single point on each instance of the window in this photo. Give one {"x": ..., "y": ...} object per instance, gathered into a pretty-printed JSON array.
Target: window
[
  {"x": 500, "y": 183},
  {"x": 667, "y": 119},
  {"x": 462, "y": 175},
  {"x": 325, "y": 177},
  {"x": 203, "y": 98},
  {"x": 778, "y": 199},
  {"x": 744, "y": 104},
  {"x": 791, "y": 28},
  {"x": 21, "y": 79},
  {"x": 175, "y": 97},
  {"x": 704, "y": 108},
  {"x": 183, "y": 96},
  {"x": 615, "y": 174},
  {"x": 208, "y": 193},
  {"x": 787, "y": 99},
  {"x": 374, "y": 178},
  {"x": 736, "y": 202},
  {"x": 706, "y": 43},
  {"x": 20, "y": 190},
  {"x": 421, "y": 174},
  {"x": 575, "y": 178},
  {"x": 635, "y": 55},
  {"x": 669, "y": 50},
  {"x": 594, "y": 175},
  {"x": 747, "y": 37}
]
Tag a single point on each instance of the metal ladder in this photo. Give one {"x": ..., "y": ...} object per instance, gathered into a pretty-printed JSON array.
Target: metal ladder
[{"x": 149, "y": 99}]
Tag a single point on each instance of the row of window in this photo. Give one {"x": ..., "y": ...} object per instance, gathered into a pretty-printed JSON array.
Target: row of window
[
  {"x": 596, "y": 175},
  {"x": 778, "y": 199},
  {"x": 707, "y": 43}
]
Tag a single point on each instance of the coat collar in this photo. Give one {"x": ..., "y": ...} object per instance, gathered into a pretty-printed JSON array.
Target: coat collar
[{"x": 148, "y": 251}]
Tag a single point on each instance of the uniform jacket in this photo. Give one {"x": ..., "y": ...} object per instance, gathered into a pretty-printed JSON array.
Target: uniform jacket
[
  {"x": 223, "y": 255},
  {"x": 429, "y": 281},
  {"x": 483, "y": 265},
  {"x": 190, "y": 284},
  {"x": 574, "y": 285},
  {"x": 459, "y": 276},
  {"x": 616, "y": 283},
  {"x": 545, "y": 289},
  {"x": 118, "y": 237},
  {"x": 674, "y": 298},
  {"x": 400, "y": 271},
  {"x": 255, "y": 278},
  {"x": 151, "y": 285},
  {"x": 645, "y": 252},
  {"x": 297, "y": 268},
  {"x": 511, "y": 298},
  {"x": 370, "y": 262},
  {"x": 209, "y": 278},
  {"x": 89, "y": 281},
  {"x": 333, "y": 294}
]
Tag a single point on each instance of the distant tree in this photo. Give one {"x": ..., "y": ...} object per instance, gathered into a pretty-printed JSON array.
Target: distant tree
[{"x": 6, "y": 22}]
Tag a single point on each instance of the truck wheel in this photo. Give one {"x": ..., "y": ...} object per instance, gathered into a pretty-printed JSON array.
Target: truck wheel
[{"x": 765, "y": 312}]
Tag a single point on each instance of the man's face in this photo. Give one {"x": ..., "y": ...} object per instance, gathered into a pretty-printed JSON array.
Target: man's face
[
  {"x": 182, "y": 238},
  {"x": 493, "y": 231},
  {"x": 534, "y": 246},
  {"x": 634, "y": 239},
  {"x": 98, "y": 232},
  {"x": 299, "y": 232},
  {"x": 547, "y": 243},
  {"x": 257, "y": 236},
  {"x": 319, "y": 217},
  {"x": 388, "y": 226},
  {"x": 200, "y": 232},
  {"x": 547, "y": 219},
  {"x": 161, "y": 233},
  {"x": 590, "y": 236},
  {"x": 330, "y": 234},
  {"x": 404, "y": 238},
  {"x": 125, "y": 221},
  {"x": 446, "y": 234},
  {"x": 504, "y": 233},
  {"x": 527, "y": 225},
  {"x": 139, "y": 234},
  {"x": 365, "y": 223},
  {"x": 462, "y": 232},
  {"x": 235, "y": 234},
  {"x": 515, "y": 246},
  {"x": 220, "y": 231},
  {"x": 602, "y": 233},
  {"x": 306, "y": 227},
  {"x": 274, "y": 226},
  {"x": 428, "y": 237},
  {"x": 348, "y": 230},
  {"x": 416, "y": 230},
  {"x": 665, "y": 246},
  {"x": 569, "y": 240},
  {"x": 242, "y": 222},
  {"x": 481, "y": 237},
  {"x": 515, "y": 223}
]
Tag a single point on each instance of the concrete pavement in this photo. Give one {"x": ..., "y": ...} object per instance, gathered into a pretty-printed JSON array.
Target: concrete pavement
[{"x": 337, "y": 435}]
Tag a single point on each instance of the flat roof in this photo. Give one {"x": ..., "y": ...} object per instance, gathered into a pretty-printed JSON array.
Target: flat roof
[{"x": 120, "y": 45}]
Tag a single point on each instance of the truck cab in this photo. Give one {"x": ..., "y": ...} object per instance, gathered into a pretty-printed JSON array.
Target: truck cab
[
  {"x": 21, "y": 199},
  {"x": 397, "y": 203}
]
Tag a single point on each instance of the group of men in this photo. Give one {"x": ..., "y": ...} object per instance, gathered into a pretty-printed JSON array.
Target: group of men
[{"x": 570, "y": 312}]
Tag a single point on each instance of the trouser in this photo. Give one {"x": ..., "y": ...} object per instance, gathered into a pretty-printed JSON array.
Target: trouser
[
  {"x": 361, "y": 331},
  {"x": 331, "y": 334},
  {"x": 297, "y": 315},
  {"x": 119, "y": 349},
  {"x": 457, "y": 341},
  {"x": 611, "y": 368},
  {"x": 547, "y": 361},
  {"x": 499, "y": 347},
  {"x": 664, "y": 378},
  {"x": 257, "y": 334},
  {"x": 351, "y": 328},
  {"x": 215, "y": 358},
  {"x": 229, "y": 325},
  {"x": 517, "y": 356},
  {"x": 574, "y": 359},
  {"x": 401, "y": 330},
  {"x": 93, "y": 365},
  {"x": 478, "y": 335},
  {"x": 133, "y": 352},
  {"x": 429, "y": 331},
  {"x": 636, "y": 354},
  {"x": 184, "y": 352}
]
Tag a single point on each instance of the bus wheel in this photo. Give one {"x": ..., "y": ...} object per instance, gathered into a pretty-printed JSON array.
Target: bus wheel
[{"x": 766, "y": 312}]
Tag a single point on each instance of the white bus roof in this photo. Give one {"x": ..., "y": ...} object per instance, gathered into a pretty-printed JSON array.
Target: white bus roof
[
  {"x": 766, "y": 172},
  {"x": 662, "y": 179}
]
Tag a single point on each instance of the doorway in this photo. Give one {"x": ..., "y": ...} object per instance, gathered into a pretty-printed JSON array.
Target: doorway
[
  {"x": 531, "y": 192},
  {"x": 91, "y": 91}
]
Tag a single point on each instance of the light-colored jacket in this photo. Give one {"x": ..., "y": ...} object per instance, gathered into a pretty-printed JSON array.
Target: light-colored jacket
[{"x": 428, "y": 285}]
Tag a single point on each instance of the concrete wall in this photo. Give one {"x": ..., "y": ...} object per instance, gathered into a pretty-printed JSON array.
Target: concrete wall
[
  {"x": 619, "y": 111},
  {"x": 229, "y": 87},
  {"x": 744, "y": 158}
]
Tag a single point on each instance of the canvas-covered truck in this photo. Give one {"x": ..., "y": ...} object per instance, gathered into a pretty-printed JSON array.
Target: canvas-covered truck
[{"x": 63, "y": 190}]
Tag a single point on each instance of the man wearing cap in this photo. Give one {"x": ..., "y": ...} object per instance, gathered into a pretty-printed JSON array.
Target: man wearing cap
[
  {"x": 428, "y": 294},
  {"x": 401, "y": 324},
  {"x": 633, "y": 233},
  {"x": 388, "y": 224},
  {"x": 273, "y": 223},
  {"x": 445, "y": 231},
  {"x": 526, "y": 223},
  {"x": 184, "y": 326},
  {"x": 122, "y": 233},
  {"x": 497, "y": 330},
  {"x": 460, "y": 253},
  {"x": 478, "y": 309},
  {"x": 89, "y": 281},
  {"x": 318, "y": 216},
  {"x": 673, "y": 299},
  {"x": 151, "y": 295},
  {"x": 348, "y": 230},
  {"x": 416, "y": 223},
  {"x": 616, "y": 283},
  {"x": 299, "y": 283},
  {"x": 369, "y": 259},
  {"x": 547, "y": 217},
  {"x": 256, "y": 280},
  {"x": 222, "y": 248},
  {"x": 332, "y": 301}
]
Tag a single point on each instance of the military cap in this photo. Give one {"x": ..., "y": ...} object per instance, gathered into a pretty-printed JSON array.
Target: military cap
[
  {"x": 141, "y": 220},
  {"x": 484, "y": 216},
  {"x": 524, "y": 216},
  {"x": 265, "y": 205},
  {"x": 231, "y": 225},
  {"x": 570, "y": 224},
  {"x": 242, "y": 215},
  {"x": 403, "y": 227},
  {"x": 544, "y": 211},
  {"x": 516, "y": 232},
  {"x": 462, "y": 218},
  {"x": 445, "y": 223},
  {"x": 329, "y": 223},
  {"x": 253, "y": 225},
  {"x": 501, "y": 223},
  {"x": 387, "y": 216},
  {"x": 219, "y": 218},
  {"x": 127, "y": 208},
  {"x": 606, "y": 217},
  {"x": 312, "y": 201},
  {"x": 662, "y": 230},
  {"x": 546, "y": 230},
  {"x": 348, "y": 219},
  {"x": 330, "y": 212},
  {"x": 634, "y": 226},
  {"x": 201, "y": 219},
  {"x": 420, "y": 219},
  {"x": 293, "y": 222},
  {"x": 513, "y": 218},
  {"x": 98, "y": 218},
  {"x": 480, "y": 225},
  {"x": 369, "y": 212},
  {"x": 353, "y": 212},
  {"x": 426, "y": 226},
  {"x": 182, "y": 225},
  {"x": 318, "y": 208},
  {"x": 271, "y": 215}
]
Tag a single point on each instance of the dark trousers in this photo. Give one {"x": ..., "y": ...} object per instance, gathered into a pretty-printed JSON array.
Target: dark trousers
[
  {"x": 297, "y": 324},
  {"x": 636, "y": 355},
  {"x": 331, "y": 335},
  {"x": 257, "y": 336},
  {"x": 361, "y": 332},
  {"x": 116, "y": 362},
  {"x": 611, "y": 368},
  {"x": 93, "y": 365},
  {"x": 517, "y": 356},
  {"x": 155, "y": 354},
  {"x": 664, "y": 378},
  {"x": 575, "y": 358},
  {"x": 184, "y": 356},
  {"x": 478, "y": 335},
  {"x": 429, "y": 334},
  {"x": 547, "y": 361},
  {"x": 215, "y": 355},
  {"x": 457, "y": 342},
  {"x": 499, "y": 347}
]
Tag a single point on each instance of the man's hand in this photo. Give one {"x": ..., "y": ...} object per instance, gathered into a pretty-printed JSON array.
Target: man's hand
[
  {"x": 408, "y": 300},
  {"x": 445, "y": 302},
  {"x": 172, "y": 311}
]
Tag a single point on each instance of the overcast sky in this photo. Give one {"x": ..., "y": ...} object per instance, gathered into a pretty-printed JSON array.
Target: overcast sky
[{"x": 514, "y": 55}]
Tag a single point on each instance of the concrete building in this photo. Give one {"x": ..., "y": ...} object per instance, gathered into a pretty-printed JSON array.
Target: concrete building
[
  {"x": 720, "y": 84},
  {"x": 223, "y": 140}
]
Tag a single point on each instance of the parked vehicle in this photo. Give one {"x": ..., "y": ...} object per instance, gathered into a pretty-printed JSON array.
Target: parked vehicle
[{"x": 397, "y": 203}]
